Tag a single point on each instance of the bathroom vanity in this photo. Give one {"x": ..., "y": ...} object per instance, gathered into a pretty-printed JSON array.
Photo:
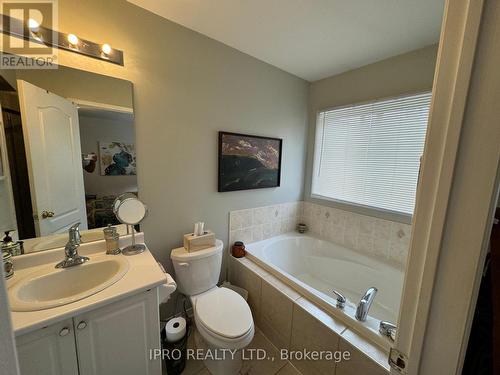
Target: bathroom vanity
[{"x": 111, "y": 330}]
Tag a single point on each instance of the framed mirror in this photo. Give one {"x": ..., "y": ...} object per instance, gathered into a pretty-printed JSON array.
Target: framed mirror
[{"x": 67, "y": 143}]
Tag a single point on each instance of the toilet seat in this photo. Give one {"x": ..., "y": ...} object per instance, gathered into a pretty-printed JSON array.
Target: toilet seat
[
  {"x": 216, "y": 341},
  {"x": 224, "y": 314}
]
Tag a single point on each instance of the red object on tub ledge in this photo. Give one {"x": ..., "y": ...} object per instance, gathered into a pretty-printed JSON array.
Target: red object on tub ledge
[{"x": 238, "y": 249}]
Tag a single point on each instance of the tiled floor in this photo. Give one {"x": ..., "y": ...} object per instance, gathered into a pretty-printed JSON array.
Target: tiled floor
[{"x": 250, "y": 367}]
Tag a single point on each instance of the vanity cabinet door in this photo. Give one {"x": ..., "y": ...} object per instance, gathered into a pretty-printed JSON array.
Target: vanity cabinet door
[
  {"x": 117, "y": 339},
  {"x": 48, "y": 351}
]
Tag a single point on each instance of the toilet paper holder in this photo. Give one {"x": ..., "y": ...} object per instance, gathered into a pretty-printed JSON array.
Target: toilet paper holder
[{"x": 166, "y": 289}]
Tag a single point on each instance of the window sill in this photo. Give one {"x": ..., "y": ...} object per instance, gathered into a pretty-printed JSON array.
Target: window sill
[{"x": 361, "y": 209}]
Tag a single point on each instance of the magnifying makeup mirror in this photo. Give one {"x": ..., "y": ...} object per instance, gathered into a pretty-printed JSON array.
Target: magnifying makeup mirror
[{"x": 130, "y": 211}]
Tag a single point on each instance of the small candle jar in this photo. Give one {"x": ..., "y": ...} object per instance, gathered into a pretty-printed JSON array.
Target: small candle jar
[
  {"x": 302, "y": 228},
  {"x": 238, "y": 249}
]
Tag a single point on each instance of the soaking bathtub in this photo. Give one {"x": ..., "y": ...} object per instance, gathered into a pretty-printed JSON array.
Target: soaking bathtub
[{"x": 315, "y": 267}]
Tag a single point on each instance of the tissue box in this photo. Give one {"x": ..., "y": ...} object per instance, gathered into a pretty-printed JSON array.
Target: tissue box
[{"x": 195, "y": 243}]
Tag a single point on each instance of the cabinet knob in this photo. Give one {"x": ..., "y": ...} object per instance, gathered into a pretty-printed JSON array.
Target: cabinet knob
[
  {"x": 81, "y": 325},
  {"x": 64, "y": 331}
]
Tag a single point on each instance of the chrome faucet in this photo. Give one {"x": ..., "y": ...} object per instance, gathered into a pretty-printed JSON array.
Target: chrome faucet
[
  {"x": 71, "y": 249},
  {"x": 365, "y": 304},
  {"x": 388, "y": 329},
  {"x": 341, "y": 300}
]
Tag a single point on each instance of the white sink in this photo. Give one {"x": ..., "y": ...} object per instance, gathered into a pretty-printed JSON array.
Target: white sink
[{"x": 50, "y": 287}]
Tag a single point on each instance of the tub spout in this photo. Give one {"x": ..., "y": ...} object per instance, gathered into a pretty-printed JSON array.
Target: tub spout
[{"x": 365, "y": 304}]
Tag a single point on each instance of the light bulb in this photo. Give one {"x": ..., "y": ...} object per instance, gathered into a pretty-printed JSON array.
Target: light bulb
[
  {"x": 72, "y": 39},
  {"x": 33, "y": 25},
  {"x": 106, "y": 49}
]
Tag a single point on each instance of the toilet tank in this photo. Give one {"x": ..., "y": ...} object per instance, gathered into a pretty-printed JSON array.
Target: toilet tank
[{"x": 198, "y": 271}]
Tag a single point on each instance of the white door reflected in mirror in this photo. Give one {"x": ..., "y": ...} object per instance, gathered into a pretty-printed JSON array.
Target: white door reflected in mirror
[
  {"x": 131, "y": 211},
  {"x": 52, "y": 140}
]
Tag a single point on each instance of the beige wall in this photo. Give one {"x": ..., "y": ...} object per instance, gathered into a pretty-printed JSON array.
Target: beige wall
[
  {"x": 186, "y": 88},
  {"x": 398, "y": 75}
]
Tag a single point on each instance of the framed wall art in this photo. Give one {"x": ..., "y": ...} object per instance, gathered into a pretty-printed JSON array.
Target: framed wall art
[{"x": 248, "y": 162}]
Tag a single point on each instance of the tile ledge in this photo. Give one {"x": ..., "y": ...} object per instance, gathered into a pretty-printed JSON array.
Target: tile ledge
[
  {"x": 284, "y": 289},
  {"x": 368, "y": 349},
  {"x": 252, "y": 266},
  {"x": 320, "y": 315},
  {"x": 272, "y": 280}
]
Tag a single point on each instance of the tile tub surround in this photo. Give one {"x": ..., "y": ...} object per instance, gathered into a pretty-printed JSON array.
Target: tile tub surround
[
  {"x": 292, "y": 322},
  {"x": 255, "y": 224},
  {"x": 384, "y": 239}
]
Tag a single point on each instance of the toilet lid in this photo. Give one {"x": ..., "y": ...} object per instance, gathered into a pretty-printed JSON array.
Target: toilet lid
[{"x": 224, "y": 312}]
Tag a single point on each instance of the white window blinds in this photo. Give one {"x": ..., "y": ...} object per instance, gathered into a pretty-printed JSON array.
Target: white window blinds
[{"x": 369, "y": 154}]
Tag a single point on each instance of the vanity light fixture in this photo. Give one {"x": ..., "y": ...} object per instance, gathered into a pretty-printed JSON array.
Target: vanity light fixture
[
  {"x": 106, "y": 49},
  {"x": 34, "y": 31},
  {"x": 33, "y": 25},
  {"x": 73, "y": 40},
  {"x": 34, "y": 28}
]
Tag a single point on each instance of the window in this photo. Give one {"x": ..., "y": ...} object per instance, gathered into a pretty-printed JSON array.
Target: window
[{"x": 369, "y": 154}]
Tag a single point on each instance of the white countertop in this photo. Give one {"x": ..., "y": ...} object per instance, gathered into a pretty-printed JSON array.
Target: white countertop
[{"x": 144, "y": 273}]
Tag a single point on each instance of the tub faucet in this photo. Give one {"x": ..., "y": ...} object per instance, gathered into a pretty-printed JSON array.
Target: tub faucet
[
  {"x": 71, "y": 249},
  {"x": 365, "y": 304},
  {"x": 388, "y": 329},
  {"x": 341, "y": 300}
]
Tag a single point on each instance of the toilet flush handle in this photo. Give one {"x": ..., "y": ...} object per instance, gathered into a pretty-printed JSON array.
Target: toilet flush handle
[{"x": 184, "y": 264}]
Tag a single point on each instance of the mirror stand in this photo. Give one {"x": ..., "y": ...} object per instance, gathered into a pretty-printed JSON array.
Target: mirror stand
[
  {"x": 134, "y": 248},
  {"x": 130, "y": 211}
]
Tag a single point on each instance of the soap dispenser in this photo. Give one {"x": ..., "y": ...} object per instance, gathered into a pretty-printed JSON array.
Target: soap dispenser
[
  {"x": 10, "y": 246},
  {"x": 112, "y": 240}
]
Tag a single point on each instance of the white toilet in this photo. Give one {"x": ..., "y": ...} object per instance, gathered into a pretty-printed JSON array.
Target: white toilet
[{"x": 223, "y": 318}]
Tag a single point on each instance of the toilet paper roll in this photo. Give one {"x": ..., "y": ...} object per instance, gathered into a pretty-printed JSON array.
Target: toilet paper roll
[{"x": 175, "y": 329}]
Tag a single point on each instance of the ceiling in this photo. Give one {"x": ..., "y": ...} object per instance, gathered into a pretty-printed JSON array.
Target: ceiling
[{"x": 311, "y": 39}]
